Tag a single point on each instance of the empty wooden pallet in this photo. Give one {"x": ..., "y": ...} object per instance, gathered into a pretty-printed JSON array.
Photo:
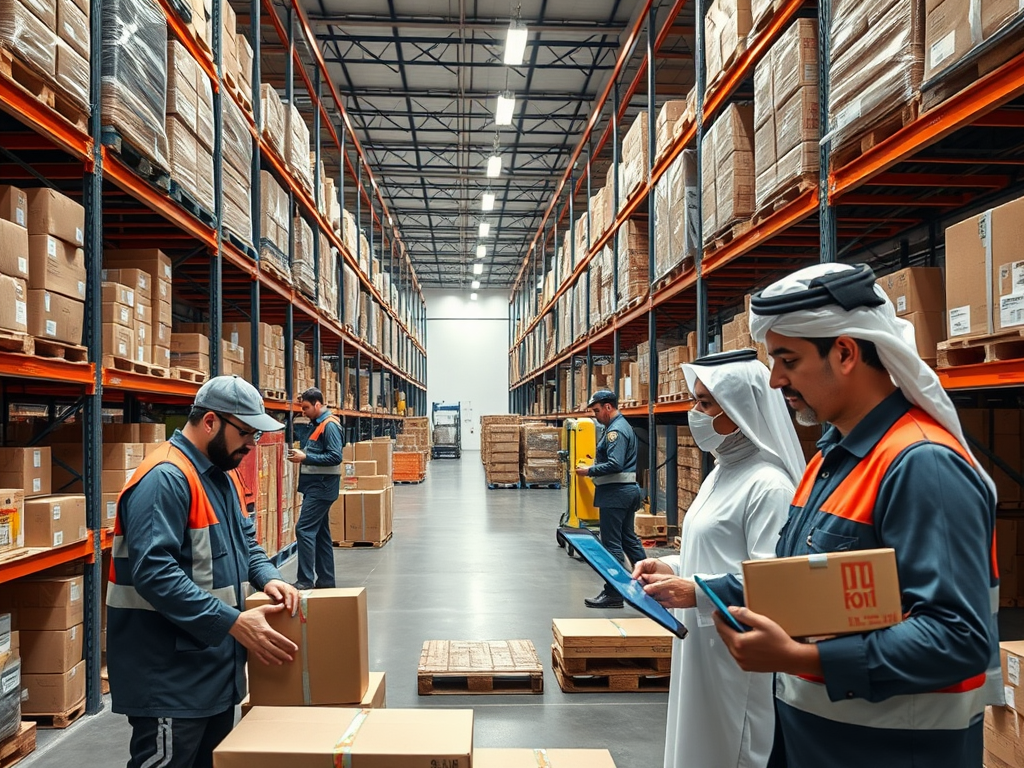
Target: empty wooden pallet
[{"x": 479, "y": 667}]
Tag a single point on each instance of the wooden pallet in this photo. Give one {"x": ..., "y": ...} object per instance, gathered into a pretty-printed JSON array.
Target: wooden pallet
[
  {"x": 243, "y": 99},
  {"x": 60, "y": 719},
  {"x": 187, "y": 374},
  {"x": 544, "y": 485},
  {"x": 673, "y": 274},
  {"x": 880, "y": 129},
  {"x": 675, "y": 397},
  {"x": 364, "y": 544},
  {"x": 604, "y": 665},
  {"x": 620, "y": 682},
  {"x": 498, "y": 486},
  {"x": 973, "y": 350},
  {"x": 236, "y": 240},
  {"x": 479, "y": 667},
  {"x": 72, "y": 111},
  {"x": 19, "y": 746},
  {"x": 190, "y": 203},
  {"x": 741, "y": 48},
  {"x": 274, "y": 394},
  {"x": 19, "y": 343},
  {"x": 22, "y": 74},
  {"x": 677, "y": 542},
  {"x": 135, "y": 158},
  {"x": 404, "y": 481},
  {"x": 131, "y": 366},
  {"x": 725, "y": 236},
  {"x": 779, "y": 200},
  {"x": 104, "y": 680},
  {"x": 73, "y": 353}
]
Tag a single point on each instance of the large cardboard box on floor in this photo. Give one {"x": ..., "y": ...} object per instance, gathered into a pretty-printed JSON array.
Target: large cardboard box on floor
[
  {"x": 532, "y": 758},
  {"x": 53, "y": 694},
  {"x": 312, "y": 737},
  {"x": 368, "y": 515},
  {"x": 833, "y": 594},
  {"x": 46, "y": 603},
  {"x": 27, "y": 468},
  {"x": 331, "y": 632},
  {"x": 376, "y": 450},
  {"x": 53, "y": 521},
  {"x": 12, "y": 516},
  {"x": 605, "y": 638},
  {"x": 51, "y": 652}
]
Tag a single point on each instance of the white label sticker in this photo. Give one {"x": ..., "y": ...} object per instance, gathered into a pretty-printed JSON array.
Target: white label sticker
[
  {"x": 37, "y": 459},
  {"x": 51, "y": 327},
  {"x": 126, "y": 315},
  {"x": 1011, "y": 310},
  {"x": 58, "y": 538},
  {"x": 56, "y": 511},
  {"x": 901, "y": 303},
  {"x": 1013, "y": 669},
  {"x": 849, "y": 114},
  {"x": 79, "y": 235},
  {"x": 140, "y": 310},
  {"x": 122, "y": 348},
  {"x": 130, "y": 296},
  {"x": 74, "y": 633},
  {"x": 140, "y": 353},
  {"x": 20, "y": 215},
  {"x": 81, "y": 289},
  {"x": 143, "y": 281},
  {"x": 1017, "y": 277},
  {"x": 960, "y": 320},
  {"x": 5, "y": 534},
  {"x": 37, "y": 485},
  {"x": 46, "y": 300},
  {"x": 51, "y": 247},
  {"x": 111, "y": 510},
  {"x": 20, "y": 312},
  {"x": 128, "y": 475},
  {"x": 942, "y": 49},
  {"x": 11, "y": 681},
  {"x": 22, "y": 264},
  {"x": 70, "y": 31},
  {"x": 76, "y": 592},
  {"x": 1008, "y": 695},
  {"x": 73, "y": 673}
]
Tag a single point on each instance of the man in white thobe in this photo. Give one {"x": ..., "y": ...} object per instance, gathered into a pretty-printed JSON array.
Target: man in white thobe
[{"x": 718, "y": 715}]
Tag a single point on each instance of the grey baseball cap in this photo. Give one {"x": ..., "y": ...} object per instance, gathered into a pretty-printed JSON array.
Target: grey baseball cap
[
  {"x": 236, "y": 397},
  {"x": 603, "y": 396}
]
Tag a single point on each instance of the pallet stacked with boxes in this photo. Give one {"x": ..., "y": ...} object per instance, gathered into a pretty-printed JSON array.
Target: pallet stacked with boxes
[
  {"x": 539, "y": 445},
  {"x": 601, "y": 655},
  {"x": 190, "y": 131},
  {"x": 140, "y": 287},
  {"x": 362, "y": 515},
  {"x": 727, "y": 184},
  {"x": 689, "y": 461},
  {"x": 671, "y": 382},
  {"x": 499, "y": 450}
]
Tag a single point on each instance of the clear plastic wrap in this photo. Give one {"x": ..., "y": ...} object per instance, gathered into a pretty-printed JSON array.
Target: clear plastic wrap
[
  {"x": 73, "y": 27},
  {"x": 72, "y": 76},
  {"x": 237, "y": 210},
  {"x": 595, "y": 272},
  {"x": 236, "y": 140},
  {"x": 297, "y": 147},
  {"x": 597, "y": 227},
  {"x": 728, "y": 182},
  {"x": 44, "y": 10},
  {"x": 134, "y": 82},
  {"x": 726, "y": 26},
  {"x": 669, "y": 123},
  {"x": 582, "y": 237},
  {"x": 364, "y": 254},
  {"x": 28, "y": 38},
  {"x": 350, "y": 288},
  {"x": 182, "y": 153},
  {"x": 272, "y": 118},
  {"x": 10, "y": 698},
  {"x": 633, "y": 257},
  {"x": 675, "y": 215},
  {"x": 244, "y": 54},
  {"x": 760, "y": 10},
  {"x": 274, "y": 223},
  {"x": 876, "y": 73},
  {"x": 182, "y": 81},
  {"x": 635, "y": 156},
  {"x": 303, "y": 274},
  {"x": 608, "y": 306}
]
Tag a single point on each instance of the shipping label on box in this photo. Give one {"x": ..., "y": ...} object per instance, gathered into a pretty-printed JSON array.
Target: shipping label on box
[
  {"x": 14, "y": 250},
  {"x": 53, "y": 521},
  {"x": 27, "y": 468},
  {"x": 108, "y": 509},
  {"x": 13, "y": 205},
  {"x": 826, "y": 594}
]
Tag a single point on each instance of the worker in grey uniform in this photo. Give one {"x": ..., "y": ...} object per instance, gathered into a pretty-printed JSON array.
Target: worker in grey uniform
[{"x": 616, "y": 493}]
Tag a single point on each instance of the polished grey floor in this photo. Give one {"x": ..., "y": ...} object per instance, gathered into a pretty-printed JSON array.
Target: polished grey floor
[{"x": 465, "y": 563}]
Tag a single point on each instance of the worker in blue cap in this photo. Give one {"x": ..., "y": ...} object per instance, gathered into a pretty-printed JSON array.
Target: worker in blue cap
[{"x": 616, "y": 492}]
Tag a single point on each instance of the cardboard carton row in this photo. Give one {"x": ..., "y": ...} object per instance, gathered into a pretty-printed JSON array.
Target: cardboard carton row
[
  {"x": 539, "y": 447},
  {"x": 727, "y": 184}
]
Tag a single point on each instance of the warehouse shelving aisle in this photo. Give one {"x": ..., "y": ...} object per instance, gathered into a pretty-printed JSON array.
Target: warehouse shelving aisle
[{"x": 464, "y": 564}]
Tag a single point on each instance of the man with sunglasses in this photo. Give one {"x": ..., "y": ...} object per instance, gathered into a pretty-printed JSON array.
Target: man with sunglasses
[{"x": 184, "y": 552}]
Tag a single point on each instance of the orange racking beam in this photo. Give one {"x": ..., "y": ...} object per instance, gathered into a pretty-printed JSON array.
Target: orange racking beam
[
  {"x": 1001, "y": 373},
  {"x": 134, "y": 382},
  {"x": 22, "y": 105},
  {"x": 33, "y": 560},
  {"x": 48, "y": 369}
]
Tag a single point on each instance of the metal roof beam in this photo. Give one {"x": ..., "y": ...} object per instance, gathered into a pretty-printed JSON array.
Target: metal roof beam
[{"x": 497, "y": 25}]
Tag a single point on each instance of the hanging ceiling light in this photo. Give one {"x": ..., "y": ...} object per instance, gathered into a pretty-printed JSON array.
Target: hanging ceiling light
[
  {"x": 494, "y": 166},
  {"x": 485, "y": 229},
  {"x": 481, "y": 251},
  {"x": 478, "y": 268},
  {"x": 515, "y": 43},
  {"x": 487, "y": 202},
  {"x": 472, "y": 297},
  {"x": 476, "y": 284},
  {"x": 506, "y": 106}
]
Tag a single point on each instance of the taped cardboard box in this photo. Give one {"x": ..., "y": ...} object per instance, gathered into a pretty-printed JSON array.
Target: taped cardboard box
[
  {"x": 27, "y": 468},
  {"x": 13, "y": 304},
  {"x": 310, "y": 737},
  {"x": 624, "y": 638},
  {"x": 52, "y": 316},
  {"x": 14, "y": 206},
  {"x": 53, "y": 694},
  {"x": 532, "y": 758},
  {"x": 56, "y": 266},
  {"x": 43, "y": 603},
  {"x": 1011, "y": 655},
  {"x": 331, "y": 665},
  {"x": 368, "y": 515},
  {"x": 51, "y": 213},
  {"x": 51, "y": 652},
  {"x": 827, "y": 594},
  {"x": 53, "y": 521},
  {"x": 374, "y": 698}
]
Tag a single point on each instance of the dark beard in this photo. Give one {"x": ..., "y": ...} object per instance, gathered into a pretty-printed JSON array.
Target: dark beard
[{"x": 218, "y": 452}]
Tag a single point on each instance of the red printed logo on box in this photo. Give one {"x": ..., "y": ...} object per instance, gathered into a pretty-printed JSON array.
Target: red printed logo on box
[{"x": 859, "y": 586}]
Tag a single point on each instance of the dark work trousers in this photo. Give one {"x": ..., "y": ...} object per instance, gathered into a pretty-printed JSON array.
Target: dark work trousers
[
  {"x": 618, "y": 536},
  {"x": 177, "y": 742},
  {"x": 313, "y": 530}
]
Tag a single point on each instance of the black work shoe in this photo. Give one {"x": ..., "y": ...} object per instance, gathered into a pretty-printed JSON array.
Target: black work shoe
[
  {"x": 302, "y": 585},
  {"x": 604, "y": 600}
]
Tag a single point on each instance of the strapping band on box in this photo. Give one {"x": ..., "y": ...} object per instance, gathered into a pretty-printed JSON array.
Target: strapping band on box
[
  {"x": 307, "y": 697},
  {"x": 541, "y": 756},
  {"x": 618, "y": 627},
  {"x": 343, "y": 747}
]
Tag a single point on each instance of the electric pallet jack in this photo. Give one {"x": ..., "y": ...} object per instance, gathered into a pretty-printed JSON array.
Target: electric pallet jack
[{"x": 579, "y": 446}]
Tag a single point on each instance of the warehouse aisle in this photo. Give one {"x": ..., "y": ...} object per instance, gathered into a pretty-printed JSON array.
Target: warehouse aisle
[{"x": 465, "y": 563}]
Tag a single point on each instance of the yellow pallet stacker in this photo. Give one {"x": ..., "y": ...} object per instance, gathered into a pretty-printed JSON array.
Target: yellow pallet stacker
[{"x": 579, "y": 446}]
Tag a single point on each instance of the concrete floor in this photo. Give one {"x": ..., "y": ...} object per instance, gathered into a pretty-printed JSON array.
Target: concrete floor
[{"x": 465, "y": 563}]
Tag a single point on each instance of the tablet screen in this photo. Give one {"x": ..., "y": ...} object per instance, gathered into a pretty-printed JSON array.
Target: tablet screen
[{"x": 611, "y": 570}]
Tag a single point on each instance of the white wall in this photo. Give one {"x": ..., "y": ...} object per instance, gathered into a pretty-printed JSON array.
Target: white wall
[{"x": 467, "y": 355}]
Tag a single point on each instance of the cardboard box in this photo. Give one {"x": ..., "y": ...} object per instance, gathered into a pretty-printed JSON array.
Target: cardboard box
[
  {"x": 12, "y": 516},
  {"x": 14, "y": 205},
  {"x": 27, "y": 468},
  {"x": 371, "y": 483},
  {"x": 51, "y": 652},
  {"x": 929, "y": 330},
  {"x": 123, "y": 455},
  {"x": 1003, "y": 738},
  {"x": 108, "y": 509},
  {"x": 52, "y": 316},
  {"x": 374, "y": 698},
  {"x": 13, "y": 304},
  {"x": 139, "y": 281},
  {"x": 826, "y": 594},
  {"x": 379, "y": 451},
  {"x": 190, "y": 343},
  {"x": 119, "y": 341},
  {"x": 359, "y": 468},
  {"x": 73, "y": 27},
  {"x": 150, "y": 260},
  {"x": 56, "y": 266},
  {"x": 53, "y": 521},
  {"x": 367, "y": 515},
  {"x": 308, "y": 737},
  {"x": 53, "y": 694},
  {"x": 333, "y": 655},
  {"x": 117, "y": 293},
  {"x": 51, "y": 213},
  {"x": 621, "y": 638},
  {"x": 114, "y": 480},
  {"x": 151, "y": 432},
  {"x": 116, "y": 312},
  {"x": 947, "y": 36},
  {"x": 13, "y": 249},
  {"x": 915, "y": 289},
  {"x": 44, "y": 603},
  {"x": 531, "y": 758},
  {"x": 1011, "y": 656},
  {"x": 72, "y": 74}
]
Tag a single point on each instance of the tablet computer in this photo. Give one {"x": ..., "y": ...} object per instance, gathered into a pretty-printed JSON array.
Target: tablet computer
[
  {"x": 611, "y": 570},
  {"x": 722, "y": 609}
]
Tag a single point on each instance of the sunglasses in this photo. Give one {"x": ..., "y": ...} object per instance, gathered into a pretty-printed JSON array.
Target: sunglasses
[{"x": 256, "y": 433}]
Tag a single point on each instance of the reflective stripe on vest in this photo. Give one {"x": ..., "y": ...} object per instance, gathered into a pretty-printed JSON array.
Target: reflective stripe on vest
[
  {"x": 201, "y": 515},
  {"x": 618, "y": 477},
  {"x": 854, "y": 499}
]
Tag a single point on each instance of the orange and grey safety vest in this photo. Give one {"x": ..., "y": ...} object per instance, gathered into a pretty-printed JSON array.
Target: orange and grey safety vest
[{"x": 330, "y": 469}]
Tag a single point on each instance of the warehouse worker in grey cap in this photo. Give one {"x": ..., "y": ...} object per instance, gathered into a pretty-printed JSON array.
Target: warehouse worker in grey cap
[
  {"x": 616, "y": 493},
  {"x": 184, "y": 551}
]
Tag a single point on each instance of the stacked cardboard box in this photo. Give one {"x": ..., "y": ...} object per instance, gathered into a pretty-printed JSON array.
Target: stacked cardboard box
[
  {"x": 10, "y": 679},
  {"x": 591, "y": 648},
  {"x": 671, "y": 120},
  {"x": 134, "y": 78},
  {"x": 303, "y": 272},
  {"x": 237, "y": 150},
  {"x": 633, "y": 258},
  {"x": 919, "y": 298},
  {"x": 268, "y": 357},
  {"x": 876, "y": 64},
  {"x": 671, "y": 382},
  {"x": 53, "y": 521},
  {"x": 28, "y": 469},
  {"x": 296, "y": 147},
  {"x": 56, "y": 266},
  {"x": 688, "y": 470},
  {"x": 538, "y": 446},
  {"x": 726, "y": 27},
  {"x": 328, "y": 297},
  {"x": 330, "y": 384},
  {"x": 1004, "y": 729},
  {"x": 272, "y": 120},
  {"x": 189, "y": 125},
  {"x": 651, "y": 526},
  {"x": 191, "y": 351},
  {"x": 12, "y": 519},
  {"x": 415, "y": 435},
  {"x": 200, "y": 12},
  {"x": 499, "y": 448},
  {"x": 14, "y": 257},
  {"x": 128, "y": 314},
  {"x": 302, "y": 367},
  {"x": 244, "y": 53},
  {"x": 727, "y": 194},
  {"x": 675, "y": 215},
  {"x": 983, "y": 260},
  {"x": 786, "y": 119},
  {"x": 27, "y": 30},
  {"x": 274, "y": 224},
  {"x": 635, "y": 158},
  {"x": 148, "y": 270},
  {"x": 73, "y": 49}
]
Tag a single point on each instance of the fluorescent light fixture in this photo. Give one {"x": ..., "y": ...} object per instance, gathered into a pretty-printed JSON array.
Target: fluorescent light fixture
[
  {"x": 506, "y": 106},
  {"x": 487, "y": 202},
  {"x": 494, "y": 166},
  {"x": 476, "y": 284},
  {"x": 481, "y": 251},
  {"x": 472, "y": 297},
  {"x": 515, "y": 44},
  {"x": 478, "y": 268},
  {"x": 485, "y": 229}
]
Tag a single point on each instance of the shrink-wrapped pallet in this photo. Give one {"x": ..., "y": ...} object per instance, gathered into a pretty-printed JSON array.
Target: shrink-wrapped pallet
[
  {"x": 728, "y": 170},
  {"x": 726, "y": 26},
  {"x": 237, "y": 148},
  {"x": 350, "y": 290},
  {"x": 72, "y": 76},
  {"x": 303, "y": 273},
  {"x": 675, "y": 215},
  {"x": 633, "y": 262},
  {"x": 272, "y": 122},
  {"x": 30, "y": 40},
  {"x": 296, "y": 147}
]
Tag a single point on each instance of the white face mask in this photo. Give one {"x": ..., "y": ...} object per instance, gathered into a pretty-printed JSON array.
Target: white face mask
[{"x": 702, "y": 428}]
